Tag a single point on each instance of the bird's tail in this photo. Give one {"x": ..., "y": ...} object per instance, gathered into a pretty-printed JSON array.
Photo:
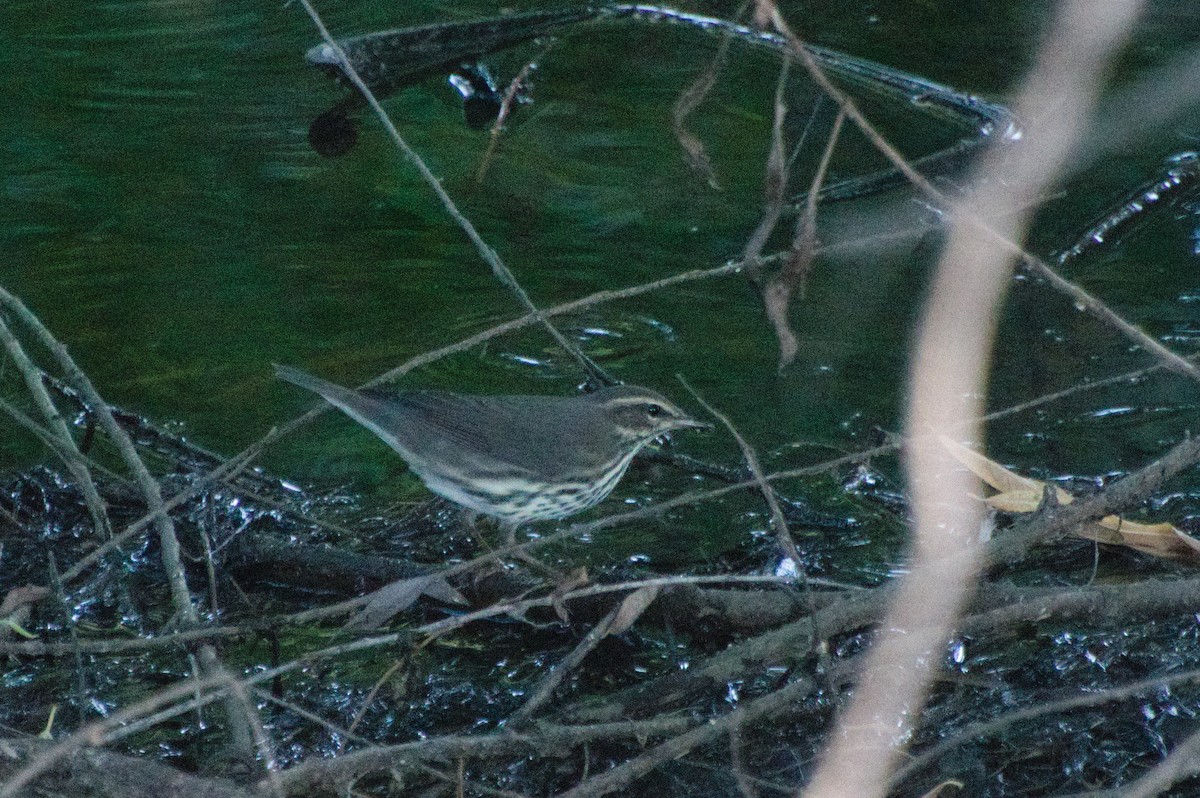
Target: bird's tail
[
  {"x": 372, "y": 411},
  {"x": 335, "y": 393}
]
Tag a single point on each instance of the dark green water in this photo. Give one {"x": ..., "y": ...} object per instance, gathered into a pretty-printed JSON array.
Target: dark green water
[
  {"x": 164, "y": 215},
  {"x": 166, "y": 218}
]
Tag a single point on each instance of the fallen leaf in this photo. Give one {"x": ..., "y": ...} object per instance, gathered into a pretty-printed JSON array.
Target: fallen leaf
[
  {"x": 632, "y": 608},
  {"x": 392, "y": 599},
  {"x": 1018, "y": 494},
  {"x": 22, "y": 596}
]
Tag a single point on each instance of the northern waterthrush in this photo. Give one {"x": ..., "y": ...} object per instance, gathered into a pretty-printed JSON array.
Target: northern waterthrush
[{"x": 516, "y": 458}]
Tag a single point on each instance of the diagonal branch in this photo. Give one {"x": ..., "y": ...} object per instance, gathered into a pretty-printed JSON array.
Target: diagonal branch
[{"x": 489, "y": 255}]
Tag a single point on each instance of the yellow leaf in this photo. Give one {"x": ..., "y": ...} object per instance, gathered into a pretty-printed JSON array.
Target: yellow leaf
[
  {"x": 1018, "y": 494},
  {"x": 1017, "y": 501}
]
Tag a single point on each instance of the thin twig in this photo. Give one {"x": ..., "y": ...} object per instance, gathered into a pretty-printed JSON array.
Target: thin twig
[
  {"x": 774, "y": 183},
  {"x": 783, "y": 535},
  {"x": 94, "y": 733},
  {"x": 1042, "y": 708},
  {"x": 489, "y": 255},
  {"x": 312, "y": 717},
  {"x": 1079, "y": 296},
  {"x": 146, "y": 483},
  {"x": 748, "y": 714},
  {"x": 737, "y": 762},
  {"x": 777, "y": 295},
  {"x": 231, "y": 467},
  {"x": 63, "y": 442},
  {"x": 170, "y": 554},
  {"x": 55, "y": 444},
  {"x": 475, "y": 787},
  {"x": 686, "y": 104},
  {"x": 1182, "y": 763},
  {"x": 38, "y": 648},
  {"x": 550, "y": 682},
  {"x": 510, "y": 97},
  {"x": 239, "y": 696},
  {"x": 948, "y": 379},
  {"x": 1052, "y": 523},
  {"x": 319, "y": 775},
  {"x": 365, "y": 704}
]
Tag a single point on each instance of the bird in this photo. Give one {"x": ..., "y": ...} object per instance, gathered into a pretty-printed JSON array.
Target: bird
[{"x": 518, "y": 459}]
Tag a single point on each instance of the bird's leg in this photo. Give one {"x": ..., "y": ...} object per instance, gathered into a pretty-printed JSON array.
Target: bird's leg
[
  {"x": 510, "y": 533},
  {"x": 518, "y": 553}
]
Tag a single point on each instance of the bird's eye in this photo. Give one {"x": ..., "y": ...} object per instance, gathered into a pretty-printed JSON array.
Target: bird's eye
[{"x": 654, "y": 411}]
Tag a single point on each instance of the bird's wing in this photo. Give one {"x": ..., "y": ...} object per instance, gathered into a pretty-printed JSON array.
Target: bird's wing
[
  {"x": 498, "y": 433},
  {"x": 421, "y": 419},
  {"x": 501, "y": 432}
]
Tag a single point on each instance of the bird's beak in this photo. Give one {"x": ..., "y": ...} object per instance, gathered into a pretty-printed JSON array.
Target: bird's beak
[{"x": 691, "y": 423}]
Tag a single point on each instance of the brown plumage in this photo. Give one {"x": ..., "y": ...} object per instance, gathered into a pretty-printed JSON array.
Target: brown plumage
[{"x": 516, "y": 458}]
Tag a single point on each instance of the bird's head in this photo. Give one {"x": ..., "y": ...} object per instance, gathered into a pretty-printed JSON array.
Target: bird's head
[{"x": 639, "y": 414}]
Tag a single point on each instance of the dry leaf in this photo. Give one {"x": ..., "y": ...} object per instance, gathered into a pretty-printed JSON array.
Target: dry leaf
[
  {"x": 22, "y": 596},
  {"x": 996, "y": 475},
  {"x": 1017, "y": 501},
  {"x": 1018, "y": 494},
  {"x": 573, "y": 581},
  {"x": 777, "y": 297},
  {"x": 937, "y": 791},
  {"x": 632, "y": 608},
  {"x": 441, "y": 590},
  {"x": 392, "y": 599},
  {"x": 1188, "y": 541}
]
